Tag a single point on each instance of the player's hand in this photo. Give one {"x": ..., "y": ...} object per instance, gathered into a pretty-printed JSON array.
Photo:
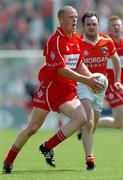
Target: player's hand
[
  {"x": 96, "y": 86},
  {"x": 119, "y": 86}
]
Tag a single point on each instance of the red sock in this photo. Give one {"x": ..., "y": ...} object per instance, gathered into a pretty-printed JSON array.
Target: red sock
[
  {"x": 12, "y": 154},
  {"x": 55, "y": 140}
]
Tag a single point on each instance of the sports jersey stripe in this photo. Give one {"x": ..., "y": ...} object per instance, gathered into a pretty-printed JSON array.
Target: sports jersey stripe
[
  {"x": 60, "y": 32},
  {"x": 47, "y": 45},
  {"x": 47, "y": 90},
  {"x": 58, "y": 49},
  {"x": 114, "y": 91},
  {"x": 84, "y": 39},
  {"x": 105, "y": 38},
  {"x": 113, "y": 51}
]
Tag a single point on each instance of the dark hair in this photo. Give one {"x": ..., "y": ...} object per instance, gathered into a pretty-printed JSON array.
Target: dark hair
[{"x": 89, "y": 14}]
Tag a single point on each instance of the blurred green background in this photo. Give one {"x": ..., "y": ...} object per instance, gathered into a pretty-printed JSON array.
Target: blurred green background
[{"x": 25, "y": 26}]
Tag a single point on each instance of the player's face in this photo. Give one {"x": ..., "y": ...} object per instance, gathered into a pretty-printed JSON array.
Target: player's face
[
  {"x": 70, "y": 21},
  {"x": 115, "y": 27},
  {"x": 91, "y": 26}
]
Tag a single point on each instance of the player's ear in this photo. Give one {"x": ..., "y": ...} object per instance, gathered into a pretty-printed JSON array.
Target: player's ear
[
  {"x": 61, "y": 20},
  {"x": 108, "y": 28},
  {"x": 99, "y": 26},
  {"x": 122, "y": 27}
]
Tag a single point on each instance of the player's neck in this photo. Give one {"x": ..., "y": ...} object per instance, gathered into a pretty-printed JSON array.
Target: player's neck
[
  {"x": 116, "y": 38},
  {"x": 68, "y": 34},
  {"x": 91, "y": 38}
]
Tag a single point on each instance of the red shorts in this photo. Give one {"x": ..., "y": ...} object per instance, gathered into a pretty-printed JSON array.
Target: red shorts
[
  {"x": 50, "y": 95},
  {"x": 113, "y": 96}
]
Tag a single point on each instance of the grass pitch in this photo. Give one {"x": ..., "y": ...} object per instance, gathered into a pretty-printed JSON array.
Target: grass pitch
[{"x": 69, "y": 156}]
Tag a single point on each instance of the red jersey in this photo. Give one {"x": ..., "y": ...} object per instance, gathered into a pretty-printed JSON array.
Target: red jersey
[
  {"x": 96, "y": 54},
  {"x": 119, "y": 48},
  {"x": 60, "y": 51},
  {"x": 55, "y": 89}
]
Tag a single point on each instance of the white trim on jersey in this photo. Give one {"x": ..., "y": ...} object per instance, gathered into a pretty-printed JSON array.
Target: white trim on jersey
[
  {"x": 70, "y": 60},
  {"x": 48, "y": 45},
  {"x": 47, "y": 96},
  {"x": 59, "y": 50},
  {"x": 60, "y": 32},
  {"x": 114, "y": 91},
  {"x": 85, "y": 39}
]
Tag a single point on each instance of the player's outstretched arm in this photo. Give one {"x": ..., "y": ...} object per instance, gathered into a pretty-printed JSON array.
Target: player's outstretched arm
[{"x": 70, "y": 74}]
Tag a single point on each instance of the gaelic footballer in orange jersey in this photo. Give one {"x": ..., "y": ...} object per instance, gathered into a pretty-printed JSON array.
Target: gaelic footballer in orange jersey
[
  {"x": 97, "y": 53},
  {"x": 97, "y": 49},
  {"x": 60, "y": 51}
]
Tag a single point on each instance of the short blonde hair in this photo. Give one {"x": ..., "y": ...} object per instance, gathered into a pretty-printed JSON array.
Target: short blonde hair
[
  {"x": 64, "y": 10},
  {"x": 114, "y": 17}
]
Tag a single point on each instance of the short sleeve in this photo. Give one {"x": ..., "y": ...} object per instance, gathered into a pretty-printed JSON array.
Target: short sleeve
[
  {"x": 81, "y": 58},
  {"x": 54, "y": 58},
  {"x": 112, "y": 48}
]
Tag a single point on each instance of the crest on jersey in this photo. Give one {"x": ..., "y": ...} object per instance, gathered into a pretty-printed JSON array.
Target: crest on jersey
[
  {"x": 86, "y": 53},
  {"x": 52, "y": 55},
  {"x": 104, "y": 50},
  {"x": 78, "y": 47},
  {"x": 111, "y": 96},
  {"x": 67, "y": 48},
  {"x": 40, "y": 93}
]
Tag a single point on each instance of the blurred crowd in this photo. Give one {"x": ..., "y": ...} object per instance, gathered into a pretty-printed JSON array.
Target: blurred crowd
[{"x": 26, "y": 24}]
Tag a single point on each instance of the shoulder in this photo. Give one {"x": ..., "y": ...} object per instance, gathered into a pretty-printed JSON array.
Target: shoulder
[
  {"x": 105, "y": 36},
  {"x": 76, "y": 38},
  {"x": 122, "y": 38},
  {"x": 51, "y": 43},
  {"x": 81, "y": 36},
  {"x": 107, "y": 40},
  {"x": 83, "y": 42},
  {"x": 53, "y": 40}
]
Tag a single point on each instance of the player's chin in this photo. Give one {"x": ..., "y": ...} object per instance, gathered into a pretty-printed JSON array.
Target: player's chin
[
  {"x": 74, "y": 28},
  {"x": 92, "y": 33}
]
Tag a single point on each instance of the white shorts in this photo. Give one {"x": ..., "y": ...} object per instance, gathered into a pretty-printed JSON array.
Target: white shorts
[{"x": 84, "y": 92}]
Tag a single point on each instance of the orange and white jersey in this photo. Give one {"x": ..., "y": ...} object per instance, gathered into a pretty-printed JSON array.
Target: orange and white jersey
[
  {"x": 96, "y": 54},
  {"x": 119, "y": 48}
]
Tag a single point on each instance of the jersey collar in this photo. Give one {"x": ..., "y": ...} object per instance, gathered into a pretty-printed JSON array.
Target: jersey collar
[
  {"x": 61, "y": 32},
  {"x": 84, "y": 39}
]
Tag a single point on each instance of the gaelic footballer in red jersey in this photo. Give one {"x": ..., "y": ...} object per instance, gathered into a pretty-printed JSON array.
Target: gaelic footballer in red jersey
[
  {"x": 115, "y": 28},
  {"x": 57, "y": 89},
  {"x": 119, "y": 48},
  {"x": 60, "y": 51},
  {"x": 114, "y": 97}
]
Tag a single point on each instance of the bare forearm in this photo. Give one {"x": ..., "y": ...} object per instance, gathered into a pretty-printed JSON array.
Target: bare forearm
[
  {"x": 82, "y": 69},
  {"x": 117, "y": 68},
  {"x": 88, "y": 80},
  {"x": 117, "y": 72},
  {"x": 70, "y": 74}
]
